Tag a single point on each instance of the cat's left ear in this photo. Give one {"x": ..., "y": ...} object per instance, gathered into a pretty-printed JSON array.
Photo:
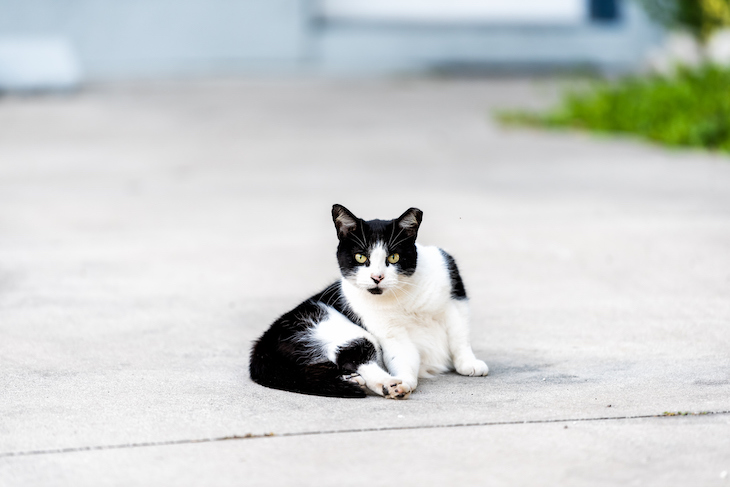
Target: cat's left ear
[
  {"x": 345, "y": 221},
  {"x": 410, "y": 221}
]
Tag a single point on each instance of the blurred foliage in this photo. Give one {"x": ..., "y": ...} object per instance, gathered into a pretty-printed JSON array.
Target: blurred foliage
[
  {"x": 699, "y": 17},
  {"x": 690, "y": 108}
]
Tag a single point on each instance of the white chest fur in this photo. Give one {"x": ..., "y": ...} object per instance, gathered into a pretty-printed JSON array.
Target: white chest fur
[{"x": 415, "y": 310}]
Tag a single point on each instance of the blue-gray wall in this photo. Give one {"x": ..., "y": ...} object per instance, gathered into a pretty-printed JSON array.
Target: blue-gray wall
[
  {"x": 146, "y": 38},
  {"x": 130, "y": 38}
]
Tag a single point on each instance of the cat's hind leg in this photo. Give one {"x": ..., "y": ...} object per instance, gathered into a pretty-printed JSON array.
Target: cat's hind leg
[
  {"x": 359, "y": 359},
  {"x": 356, "y": 352}
]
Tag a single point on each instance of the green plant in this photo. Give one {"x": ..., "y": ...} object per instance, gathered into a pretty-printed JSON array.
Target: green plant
[
  {"x": 690, "y": 108},
  {"x": 699, "y": 17}
]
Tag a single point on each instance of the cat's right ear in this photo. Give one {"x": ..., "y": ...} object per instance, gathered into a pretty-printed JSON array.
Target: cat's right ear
[{"x": 345, "y": 221}]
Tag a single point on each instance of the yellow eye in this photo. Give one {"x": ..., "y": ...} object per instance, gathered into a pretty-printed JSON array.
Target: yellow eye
[
  {"x": 393, "y": 258},
  {"x": 361, "y": 259}
]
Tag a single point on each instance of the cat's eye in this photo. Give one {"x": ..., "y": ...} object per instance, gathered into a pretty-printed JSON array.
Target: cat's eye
[
  {"x": 361, "y": 259},
  {"x": 393, "y": 258}
]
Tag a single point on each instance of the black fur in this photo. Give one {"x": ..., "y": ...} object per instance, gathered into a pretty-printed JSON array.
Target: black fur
[
  {"x": 281, "y": 361},
  {"x": 355, "y": 353},
  {"x": 332, "y": 296},
  {"x": 457, "y": 285}
]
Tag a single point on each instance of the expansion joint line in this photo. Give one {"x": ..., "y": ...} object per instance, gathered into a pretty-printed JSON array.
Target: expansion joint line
[{"x": 341, "y": 431}]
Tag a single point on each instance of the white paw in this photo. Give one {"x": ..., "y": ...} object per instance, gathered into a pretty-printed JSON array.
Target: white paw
[
  {"x": 473, "y": 368},
  {"x": 395, "y": 389}
]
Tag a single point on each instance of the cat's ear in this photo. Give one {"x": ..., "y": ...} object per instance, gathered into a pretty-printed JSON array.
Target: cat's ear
[
  {"x": 345, "y": 221},
  {"x": 410, "y": 221}
]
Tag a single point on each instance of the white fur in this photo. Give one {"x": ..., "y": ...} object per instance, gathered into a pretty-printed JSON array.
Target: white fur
[
  {"x": 335, "y": 331},
  {"x": 421, "y": 329}
]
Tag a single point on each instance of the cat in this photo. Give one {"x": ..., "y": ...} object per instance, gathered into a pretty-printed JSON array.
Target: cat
[{"x": 399, "y": 313}]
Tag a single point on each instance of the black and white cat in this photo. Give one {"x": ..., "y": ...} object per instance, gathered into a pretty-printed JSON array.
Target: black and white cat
[{"x": 398, "y": 313}]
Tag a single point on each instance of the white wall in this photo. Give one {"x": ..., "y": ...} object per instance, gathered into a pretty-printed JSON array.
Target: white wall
[{"x": 532, "y": 12}]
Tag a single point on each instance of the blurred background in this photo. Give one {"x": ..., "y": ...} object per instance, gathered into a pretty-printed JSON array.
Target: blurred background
[{"x": 62, "y": 42}]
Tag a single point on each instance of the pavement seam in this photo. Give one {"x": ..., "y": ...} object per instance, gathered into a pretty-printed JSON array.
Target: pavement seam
[{"x": 249, "y": 436}]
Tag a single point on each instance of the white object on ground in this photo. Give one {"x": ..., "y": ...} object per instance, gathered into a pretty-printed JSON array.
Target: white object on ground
[
  {"x": 718, "y": 47},
  {"x": 679, "y": 49},
  {"x": 682, "y": 49}
]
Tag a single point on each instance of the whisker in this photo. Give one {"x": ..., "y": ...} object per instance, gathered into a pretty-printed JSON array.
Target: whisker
[
  {"x": 395, "y": 295},
  {"x": 362, "y": 244},
  {"x": 402, "y": 240},
  {"x": 390, "y": 242},
  {"x": 331, "y": 291},
  {"x": 330, "y": 288},
  {"x": 403, "y": 290},
  {"x": 333, "y": 296}
]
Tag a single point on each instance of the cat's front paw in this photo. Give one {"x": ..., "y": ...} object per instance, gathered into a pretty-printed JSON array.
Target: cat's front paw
[
  {"x": 474, "y": 368},
  {"x": 396, "y": 389}
]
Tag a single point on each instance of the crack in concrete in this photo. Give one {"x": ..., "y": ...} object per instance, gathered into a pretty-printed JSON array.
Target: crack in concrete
[{"x": 248, "y": 436}]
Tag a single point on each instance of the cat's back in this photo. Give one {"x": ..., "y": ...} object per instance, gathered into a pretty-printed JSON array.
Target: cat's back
[{"x": 437, "y": 275}]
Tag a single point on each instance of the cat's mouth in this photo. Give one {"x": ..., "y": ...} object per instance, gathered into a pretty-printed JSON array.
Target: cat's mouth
[{"x": 375, "y": 290}]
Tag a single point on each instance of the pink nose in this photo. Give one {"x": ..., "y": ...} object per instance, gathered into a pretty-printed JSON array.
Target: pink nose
[{"x": 377, "y": 278}]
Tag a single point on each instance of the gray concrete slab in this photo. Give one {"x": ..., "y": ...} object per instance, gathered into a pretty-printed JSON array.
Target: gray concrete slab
[
  {"x": 671, "y": 451},
  {"x": 150, "y": 232}
]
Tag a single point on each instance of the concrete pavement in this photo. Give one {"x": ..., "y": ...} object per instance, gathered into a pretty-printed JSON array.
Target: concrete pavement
[{"x": 149, "y": 232}]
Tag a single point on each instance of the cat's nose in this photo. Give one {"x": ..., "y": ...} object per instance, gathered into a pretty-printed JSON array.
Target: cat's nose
[{"x": 377, "y": 278}]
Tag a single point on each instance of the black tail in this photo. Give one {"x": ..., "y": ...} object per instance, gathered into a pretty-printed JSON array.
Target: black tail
[{"x": 323, "y": 379}]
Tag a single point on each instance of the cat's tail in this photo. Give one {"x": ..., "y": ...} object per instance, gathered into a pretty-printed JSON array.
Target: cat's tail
[{"x": 321, "y": 379}]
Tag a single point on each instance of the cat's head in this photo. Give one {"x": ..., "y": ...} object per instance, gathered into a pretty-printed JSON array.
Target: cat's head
[{"x": 376, "y": 255}]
